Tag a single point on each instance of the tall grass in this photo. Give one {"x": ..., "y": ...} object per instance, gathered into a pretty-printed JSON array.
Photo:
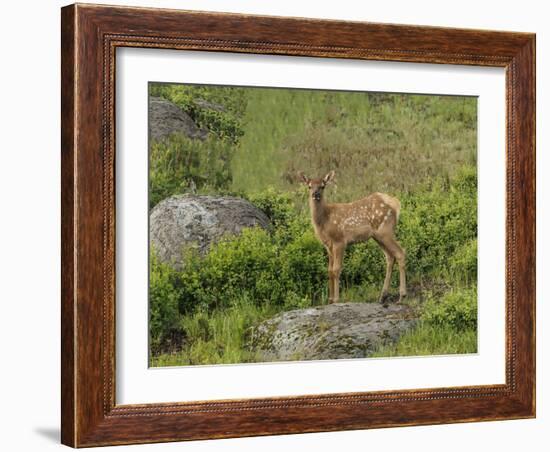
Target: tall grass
[
  {"x": 179, "y": 165},
  {"x": 426, "y": 340},
  {"x": 217, "y": 337},
  {"x": 448, "y": 325},
  {"x": 374, "y": 141}
]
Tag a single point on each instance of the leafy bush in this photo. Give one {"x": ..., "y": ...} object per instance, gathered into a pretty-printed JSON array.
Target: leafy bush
[
  {"x": 303, "y": 269},
  {"x": 438, "y": 221},
  {"x": 255, "y": 264},
  {"x": 180, "y": 164},
  {"x": 463, "y": 263},
  {"x": 164, "y": 329},
  {"x": 456, "y": 309},
  {"x": 279, "y": 207},
  {"x": 364, "y": 264},
  {"x": 246, "y": 264},
  {"x": 218, "y": 109}
]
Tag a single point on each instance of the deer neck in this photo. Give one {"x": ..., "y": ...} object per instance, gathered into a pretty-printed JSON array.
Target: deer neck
[{"x": 319, "y": 211}]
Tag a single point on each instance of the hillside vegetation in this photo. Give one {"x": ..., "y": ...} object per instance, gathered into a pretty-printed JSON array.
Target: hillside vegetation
[{"x": 419, "y": 148}]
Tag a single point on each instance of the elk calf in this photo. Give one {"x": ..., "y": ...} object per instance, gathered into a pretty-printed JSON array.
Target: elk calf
[{"x": 337, "y": 225}]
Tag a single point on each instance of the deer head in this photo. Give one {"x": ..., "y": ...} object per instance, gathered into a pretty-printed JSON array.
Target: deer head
[{"x": 316, "y": 186}]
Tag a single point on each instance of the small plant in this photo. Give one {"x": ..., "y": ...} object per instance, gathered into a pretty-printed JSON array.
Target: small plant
[
  {"x": 428, "y": 339},
  {"x": 180, "y": 165},
  {"x": 463, "y": 263},
  {"x": 164, "y": 315},
  {"x": 278, "y": 206},
  {"x": 218, "y": 109},
  {"x": 456, "y": 309}
]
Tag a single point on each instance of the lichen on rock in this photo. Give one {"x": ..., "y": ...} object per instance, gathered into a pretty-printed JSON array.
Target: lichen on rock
[
  {"x": 342, "y": 330},
  {"x": 193, "y": 221}
]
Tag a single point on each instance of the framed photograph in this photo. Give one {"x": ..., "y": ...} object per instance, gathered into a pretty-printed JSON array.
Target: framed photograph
[{"x": 280, "y": 225}]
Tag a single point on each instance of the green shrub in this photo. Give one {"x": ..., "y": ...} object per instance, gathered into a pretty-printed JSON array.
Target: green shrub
[
  {"x": 463, "y": 263},
  {"x": 246, "y": 263},
  {"x": 180, "y": 164},
  {"x": 437, "y": 221},
  {"x": 303, "y": 270},
  {"x": 279, "y": 207},
  {"x": 164, "y": 329},
  {"x": 223, "y": 118},
  {"x": 456, "y": 309},
  {"x": 364, "y": 264}
]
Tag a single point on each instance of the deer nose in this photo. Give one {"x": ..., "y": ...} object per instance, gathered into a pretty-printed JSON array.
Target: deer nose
[{"x": 317, "y": 195}]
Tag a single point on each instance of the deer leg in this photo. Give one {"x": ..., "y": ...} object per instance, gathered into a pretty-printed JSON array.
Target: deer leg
[
  {"x": 338, "y": 255},
  {"x": 390, "y": 260},
  {"x": 399, "y": 253},
  {"x": 330, "y": 275},
  {"x": 402, "y": 275}
]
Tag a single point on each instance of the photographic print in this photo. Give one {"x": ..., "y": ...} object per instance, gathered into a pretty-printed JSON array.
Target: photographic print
[{"x": 292, "y": 224}]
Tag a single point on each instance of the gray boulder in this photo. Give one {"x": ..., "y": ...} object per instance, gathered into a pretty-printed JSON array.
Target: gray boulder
[
  {"x": 342, "y": 330},
  {"x": 184, "y": 221},
  {"x": 166, "y": 118},
  {"x": 201, "y": 103}
]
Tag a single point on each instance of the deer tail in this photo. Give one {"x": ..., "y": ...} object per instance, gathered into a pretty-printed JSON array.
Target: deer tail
[
  {"x": 397, "y": 209},
  {"x": 394, "y": 203}
]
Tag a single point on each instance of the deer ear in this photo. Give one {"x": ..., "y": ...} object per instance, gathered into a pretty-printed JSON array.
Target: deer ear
[
  {"x": 303, "y": 177},
  {"x": 329, "y": 177}
]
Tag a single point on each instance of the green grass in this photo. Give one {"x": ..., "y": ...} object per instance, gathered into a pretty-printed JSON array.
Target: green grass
[
  {"x": 428, "y": 339},
  {"x": 447, "y": 326},
  {"x": 375, "y": 142},
  {"x": 218, "y": 336}
]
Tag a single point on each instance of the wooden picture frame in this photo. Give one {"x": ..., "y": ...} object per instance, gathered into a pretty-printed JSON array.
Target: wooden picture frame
[{"x": 90, "y": 36}]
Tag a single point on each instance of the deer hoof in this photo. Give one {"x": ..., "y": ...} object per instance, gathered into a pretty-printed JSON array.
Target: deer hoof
[
  {"x": 402, "y": 297},
  {"x": 383, "y": 299}
]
